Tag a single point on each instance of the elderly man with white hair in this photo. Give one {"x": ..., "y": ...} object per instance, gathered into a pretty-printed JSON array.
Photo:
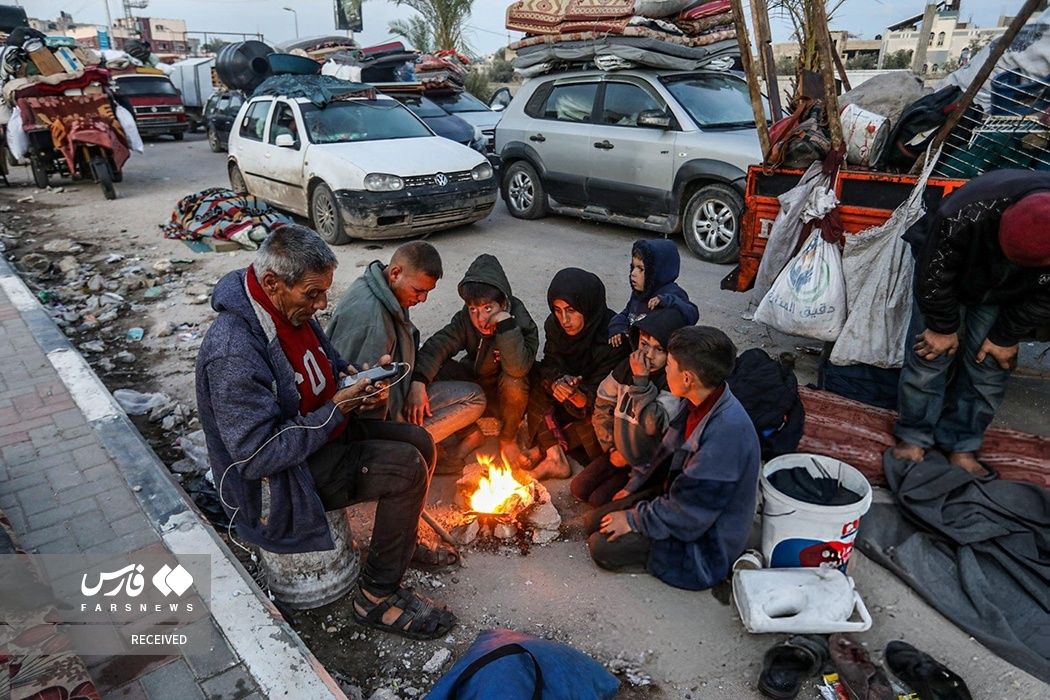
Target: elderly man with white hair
[{"x": 284, "y": 440}]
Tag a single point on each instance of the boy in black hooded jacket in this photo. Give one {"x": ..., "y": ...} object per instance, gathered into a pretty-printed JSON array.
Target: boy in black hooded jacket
[{"x": 500, "y": 340}]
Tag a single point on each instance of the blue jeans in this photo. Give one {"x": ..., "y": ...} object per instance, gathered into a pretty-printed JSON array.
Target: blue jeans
[
  {"x": 455, "y": 405},
  {"x": 938, "y": 409}
]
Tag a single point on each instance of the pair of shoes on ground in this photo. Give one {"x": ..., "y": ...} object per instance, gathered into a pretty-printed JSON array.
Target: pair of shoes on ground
[{"x": 789, "y": 664}]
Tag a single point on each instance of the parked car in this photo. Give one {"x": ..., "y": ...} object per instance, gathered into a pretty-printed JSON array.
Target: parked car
[
  {"x": 154, "y": 102},
  {"x": 471, "y": 110},
  {"x": 658, "y": 150},
  {"x": 362, "y": 167},
  {"x": 219, "y": 114},
  {"x": 441, "y": 122}
]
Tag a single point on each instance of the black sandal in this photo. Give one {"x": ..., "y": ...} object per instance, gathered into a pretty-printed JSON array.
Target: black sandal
[
  {"x": 430, "y": 558},
  {"x": 788, "y": 664},
  {"x": 420, "y": 618},
  {"x": 926, "y": 676}
]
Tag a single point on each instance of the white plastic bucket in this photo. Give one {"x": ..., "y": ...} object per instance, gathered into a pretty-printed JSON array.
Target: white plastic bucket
[
  {"x": 865, "y": 133},
  {"x": 800, "y": 534}
]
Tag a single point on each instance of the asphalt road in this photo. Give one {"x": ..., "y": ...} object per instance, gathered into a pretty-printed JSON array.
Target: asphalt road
[{"x": 689, "y": 641}]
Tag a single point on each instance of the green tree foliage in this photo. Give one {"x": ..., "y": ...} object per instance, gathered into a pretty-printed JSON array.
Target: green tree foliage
[
  {"x": 786, "y": 65},
  {"x": 446, "y": 21},
  {"x": 866, "y": 61},
  {"x": 477, "y": 83},
  {"x": 897, "y": 60},
  {"x": 501, "y": 70},
  {"x": 415, "y": 31}
]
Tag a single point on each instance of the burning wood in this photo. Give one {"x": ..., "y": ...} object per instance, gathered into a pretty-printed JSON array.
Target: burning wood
[
  {"x": 498, "y": 491},
  {"x": 499, "y": 502}
]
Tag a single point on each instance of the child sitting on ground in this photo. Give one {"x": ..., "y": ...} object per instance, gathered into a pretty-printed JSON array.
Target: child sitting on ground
[
  {"x": 655, "y": 265},
  {"x": 500, "y": 340},
  {"x": 632, "y": 410},
  {"x": 686, "y": 515}
]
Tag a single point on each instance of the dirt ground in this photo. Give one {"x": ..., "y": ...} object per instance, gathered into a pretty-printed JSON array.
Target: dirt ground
[{"x": 670, "y": 643}]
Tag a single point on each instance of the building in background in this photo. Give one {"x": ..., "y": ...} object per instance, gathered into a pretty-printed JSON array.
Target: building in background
[
  {"x": 168, "y": 37},
  {"x": 950, "y": 42}
]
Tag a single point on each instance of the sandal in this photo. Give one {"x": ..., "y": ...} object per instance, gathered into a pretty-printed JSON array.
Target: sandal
[
  {"x": 430, "y": 558},
  {"x": 420, "y": 618},
  {"x": 923, "y": 674},
  {"x": 862, "y": 677},
  {"x": 788, "y": 664}
]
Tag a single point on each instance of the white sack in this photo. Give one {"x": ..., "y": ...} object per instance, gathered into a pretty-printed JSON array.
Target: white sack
[
  {"x": 131, "y": 129},
  {"x": 809, "y": 296}
]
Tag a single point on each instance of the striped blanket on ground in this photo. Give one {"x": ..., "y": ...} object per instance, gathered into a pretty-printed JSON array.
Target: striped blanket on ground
[{"x": 222, "y": 214}]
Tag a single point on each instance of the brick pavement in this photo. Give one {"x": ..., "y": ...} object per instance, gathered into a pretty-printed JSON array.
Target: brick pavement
[{"x": 68, "y": 459}]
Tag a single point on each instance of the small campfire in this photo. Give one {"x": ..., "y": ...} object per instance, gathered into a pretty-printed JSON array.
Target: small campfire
[{"x": 498, "y": 501}]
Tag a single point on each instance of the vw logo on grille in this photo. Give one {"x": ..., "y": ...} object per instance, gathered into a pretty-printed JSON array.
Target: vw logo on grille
[
  {"x": 441, "y": 179},
  {"x": 153, "y": 109}
]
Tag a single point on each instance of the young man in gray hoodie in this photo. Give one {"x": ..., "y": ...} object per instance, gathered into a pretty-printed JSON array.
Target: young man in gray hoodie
[{"x": 372, "y": 320}]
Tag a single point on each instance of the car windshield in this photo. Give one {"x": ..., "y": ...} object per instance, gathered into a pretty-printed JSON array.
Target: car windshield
[
  {"x": 360, "y": 120},
  {"x": 421, "y": 106},
  {"x": 145, "y": 86},
  {"x": 713, "y": 101},
  {"x": 462, "y": 102}
]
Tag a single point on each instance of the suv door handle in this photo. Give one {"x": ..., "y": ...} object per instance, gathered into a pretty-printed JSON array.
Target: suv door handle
[
  {"x": 604, "y": 145},
  {"x": 538, "y": 137}
]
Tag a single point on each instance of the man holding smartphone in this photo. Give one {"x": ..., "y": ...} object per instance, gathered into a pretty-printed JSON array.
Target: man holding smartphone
[{"x": 285, "y": 441}]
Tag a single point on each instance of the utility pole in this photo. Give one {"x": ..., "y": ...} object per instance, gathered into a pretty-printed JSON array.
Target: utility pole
[
  {"x": 919, "y": 58},
  {"x": 296, "y": 16},
  {"x": 109, "y": 17}
]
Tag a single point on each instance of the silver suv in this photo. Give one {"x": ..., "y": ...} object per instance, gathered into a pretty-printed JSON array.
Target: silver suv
[{"x": 659, "y": 150}]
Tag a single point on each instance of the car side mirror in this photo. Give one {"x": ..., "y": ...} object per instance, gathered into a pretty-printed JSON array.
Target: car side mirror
[
  {"x": 498, "y": 107},
  {"x": 655, "y": 118},
  {"x": 500, "y": 99},
  {"x": 284, "y": 141}
]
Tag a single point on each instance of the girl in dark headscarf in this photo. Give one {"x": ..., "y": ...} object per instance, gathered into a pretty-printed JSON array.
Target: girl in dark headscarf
[{"x": 576, "y": 358}]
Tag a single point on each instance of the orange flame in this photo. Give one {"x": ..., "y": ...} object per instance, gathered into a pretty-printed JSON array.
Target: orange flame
[{"x": 497, "y": 492}]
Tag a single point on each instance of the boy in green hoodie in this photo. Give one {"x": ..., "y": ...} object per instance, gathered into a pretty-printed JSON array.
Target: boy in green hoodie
[{"x": 500, "y": 340}]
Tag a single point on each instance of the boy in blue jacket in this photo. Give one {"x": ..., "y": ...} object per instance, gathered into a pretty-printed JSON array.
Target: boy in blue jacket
[
  {"x": 686, "y": 515},
  {"x": 655, "y": 265}
]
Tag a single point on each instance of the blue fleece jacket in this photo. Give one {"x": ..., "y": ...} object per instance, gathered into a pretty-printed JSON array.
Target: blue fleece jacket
[
  {"x": 246, "y": 394},
  {"x": 662, "y": 265},
  {"x": 700, "y": 524}
]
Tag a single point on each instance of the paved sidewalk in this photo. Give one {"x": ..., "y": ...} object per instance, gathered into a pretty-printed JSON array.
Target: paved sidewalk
[{"x": 76, "y": 477}]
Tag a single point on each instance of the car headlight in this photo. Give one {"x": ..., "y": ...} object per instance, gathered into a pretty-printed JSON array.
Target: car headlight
[
  {"x": 178, "y": 108},
  {"x": 381, "y": 182},
  {"x": 481, "y": 172}
]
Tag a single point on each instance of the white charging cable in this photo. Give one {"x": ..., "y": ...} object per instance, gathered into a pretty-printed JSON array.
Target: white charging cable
[{"x": 406, "y": 369}]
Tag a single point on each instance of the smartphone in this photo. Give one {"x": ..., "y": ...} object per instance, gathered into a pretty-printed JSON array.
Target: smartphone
[{"x": 375, "y": 374}]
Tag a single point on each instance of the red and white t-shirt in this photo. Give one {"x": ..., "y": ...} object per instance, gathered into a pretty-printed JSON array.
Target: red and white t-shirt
[{"x": 313, "y": 370}]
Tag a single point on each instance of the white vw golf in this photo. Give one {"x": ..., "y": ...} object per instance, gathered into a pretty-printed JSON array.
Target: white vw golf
[{"x": 361, "y": 166}]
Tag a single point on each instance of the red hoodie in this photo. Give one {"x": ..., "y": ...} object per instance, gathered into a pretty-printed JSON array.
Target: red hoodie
[{"x": 313, "y": 370}]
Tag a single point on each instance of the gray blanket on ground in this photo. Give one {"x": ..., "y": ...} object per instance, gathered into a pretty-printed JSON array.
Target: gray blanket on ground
[{"x": 978, "y": 551}]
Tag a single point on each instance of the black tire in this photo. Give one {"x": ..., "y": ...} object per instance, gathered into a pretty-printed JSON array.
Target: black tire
[
  {"x": 325, "y": 216},
  {"x": 39, "y": 168},
  {"x": 711, "y": 223},
  {"x": 213, "y": 140},
  {"x": 179, "y": 135},
  {"x": 237, "y": 180},
  {"x": 104, "y": 176},
  {"x": 523, "y": 192}
]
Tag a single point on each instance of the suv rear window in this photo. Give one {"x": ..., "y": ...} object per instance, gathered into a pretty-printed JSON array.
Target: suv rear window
[
  {"x": 254, "y": 124},
  {"x": 571, "y": 103},
  {"x": 713, "y": 100}
]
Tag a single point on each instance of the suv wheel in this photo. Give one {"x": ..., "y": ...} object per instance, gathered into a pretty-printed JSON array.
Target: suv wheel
[
  {"x": 326, "y": 217},
  {"x": 523, "y": 192},
  {"x": 237, "y": 180},
  {"x": 711, "y": 223}
]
